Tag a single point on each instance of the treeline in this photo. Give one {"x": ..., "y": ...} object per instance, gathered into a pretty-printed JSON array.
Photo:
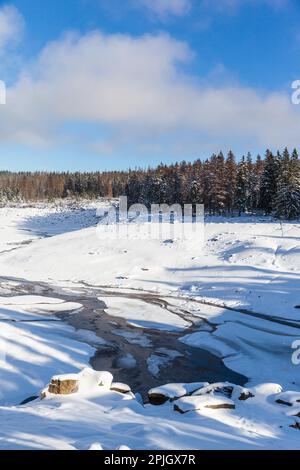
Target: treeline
[
  {"x": 269, "y": 185},
  {"x": 49, "y": 186}
]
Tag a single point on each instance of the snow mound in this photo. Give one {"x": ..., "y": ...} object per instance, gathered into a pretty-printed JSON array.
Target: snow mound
[
  {"x": 288, "y": 398},
  {"x": 267, "y": 389},
  {"x": 198, "y": 403},
  {"x": 96, "y": 446},
  {"x": 236, "y": 392},
  {"x": 160, "y": 395},
  {"x": 172, "y": 392}
]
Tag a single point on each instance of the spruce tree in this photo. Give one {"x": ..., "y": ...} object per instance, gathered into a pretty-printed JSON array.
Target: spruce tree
[
  {"x": 287, "y": 202},
  {"x": 230, "y": 181},
  {"x": 218, "y": 192},
  {"x": 268, "y": 189},
  {"x": 241, "y": 187}
]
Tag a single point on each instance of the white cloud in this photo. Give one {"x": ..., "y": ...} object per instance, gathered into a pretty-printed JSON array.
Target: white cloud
[
  {"x": 233, "y": 5},
  {"x": 135, "y": 88},
  {"x": 11, "y": 25},
  {"x": 164, "y": 8}
]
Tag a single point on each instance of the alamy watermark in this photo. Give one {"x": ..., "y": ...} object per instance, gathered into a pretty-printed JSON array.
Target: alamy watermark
[
  {"x": 296, "y": 353},
  {"x": 296, "y": 93},
  {"x": 2, "y": 92},
  {"x": 157, "y": 222}
]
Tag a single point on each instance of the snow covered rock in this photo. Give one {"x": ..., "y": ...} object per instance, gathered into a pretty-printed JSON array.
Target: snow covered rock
[
  {"x": 288, "y": 398},
  {"x": 266, "y": 389},
  {"x": 120, "y": 387},
  {"x": 296, "y": 425},
  {"x": 86, "y": 382},
  {"x": 171, "y": 392},
  {"x": 235, "y": 392},
  {"x": 197, "y": 403}
]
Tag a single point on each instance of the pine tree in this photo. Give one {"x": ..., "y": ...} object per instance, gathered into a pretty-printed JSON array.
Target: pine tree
[
  {"x": 250, "y": 183},
  {"x": 287, "y": 202},
  {"x": 230, "y": 181},
  {"x": 241, "y": 187},
  {"x": 258, "y": 171},
  {"x": 218, "y": 192},
  {"x": 133, "y": 189},
  {"x": 268, "y": 189}
]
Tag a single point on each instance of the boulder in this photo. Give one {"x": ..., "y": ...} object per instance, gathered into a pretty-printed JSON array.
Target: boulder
[
  {"x": 226, "y": 389},
  {"x": 245, "y": 395},
  {"x": 171, "y": 392},
  {"x": 120, "y": 387},
  {"x": 157, "y": 399}
]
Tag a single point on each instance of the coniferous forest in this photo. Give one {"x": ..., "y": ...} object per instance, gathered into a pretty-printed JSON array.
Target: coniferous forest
[{"x": 269, "y": 185}]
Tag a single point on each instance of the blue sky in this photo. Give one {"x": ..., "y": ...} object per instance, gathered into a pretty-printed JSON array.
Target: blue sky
[{"x": 94, "y": 84}]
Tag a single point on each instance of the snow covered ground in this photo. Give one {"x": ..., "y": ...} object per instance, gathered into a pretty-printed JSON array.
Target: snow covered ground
[{"x": 244, "y": 283}]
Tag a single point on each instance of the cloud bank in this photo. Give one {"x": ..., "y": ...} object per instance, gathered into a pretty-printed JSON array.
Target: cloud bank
[
  {"x": 11, "y": 26},
  {"x": 133, "y": 91}
]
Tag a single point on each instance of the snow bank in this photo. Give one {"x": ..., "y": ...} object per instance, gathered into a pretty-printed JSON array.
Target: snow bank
[
  {"x": 288, "y": 398},
  {"x": 198, "y": 403},
  {"x": 244, "y": 264}
]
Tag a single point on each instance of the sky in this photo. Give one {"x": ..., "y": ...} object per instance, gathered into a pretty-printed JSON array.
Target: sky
[{"x": 113, "y": 84}]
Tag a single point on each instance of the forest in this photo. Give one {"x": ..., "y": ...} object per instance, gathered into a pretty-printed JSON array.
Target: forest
[{"x": 225, "y": 185}]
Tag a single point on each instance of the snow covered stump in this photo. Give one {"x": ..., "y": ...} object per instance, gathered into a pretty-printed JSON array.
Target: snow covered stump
[{"x": 63, "y": 386}]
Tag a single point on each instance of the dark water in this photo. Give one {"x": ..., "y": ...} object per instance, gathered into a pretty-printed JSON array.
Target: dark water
[
  {"x": 193, "y": 364},
  {"x": 141, "y": 345}
]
